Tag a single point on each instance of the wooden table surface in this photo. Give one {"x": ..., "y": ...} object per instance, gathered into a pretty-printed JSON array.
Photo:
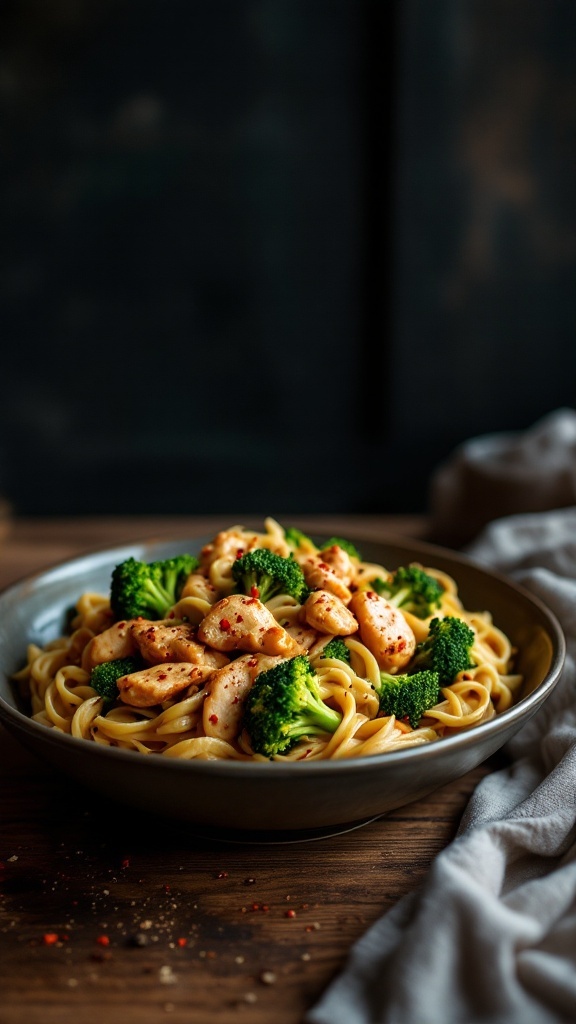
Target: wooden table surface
[{"x": 109, "y": 916}]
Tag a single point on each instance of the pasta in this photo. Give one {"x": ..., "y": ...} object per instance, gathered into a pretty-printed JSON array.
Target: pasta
[{"x": 198, "y": 711}]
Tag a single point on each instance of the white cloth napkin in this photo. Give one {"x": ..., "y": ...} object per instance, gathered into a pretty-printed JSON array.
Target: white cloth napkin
[
  {"x": 491, "y": 935},
  {"x": 502, "y": 474}
]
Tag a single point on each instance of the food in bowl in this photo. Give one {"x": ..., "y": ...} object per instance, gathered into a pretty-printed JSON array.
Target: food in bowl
[{"x": 266, "y": 645}]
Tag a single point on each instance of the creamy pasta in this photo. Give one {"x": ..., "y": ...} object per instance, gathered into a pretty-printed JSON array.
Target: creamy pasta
[{"x": 186, "y": 698}]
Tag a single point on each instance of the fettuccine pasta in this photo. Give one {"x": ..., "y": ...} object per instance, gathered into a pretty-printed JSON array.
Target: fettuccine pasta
[{"x": 196, "y": 664}]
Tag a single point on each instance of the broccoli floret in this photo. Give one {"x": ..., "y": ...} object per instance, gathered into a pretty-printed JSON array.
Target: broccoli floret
[
  {"x": 446, "y": 649},
  {"x": 103, "y": 677},
  {"x": 285, "y": 705},
  {"x": 336, "y": 648},
  {"x": 296, "y": 539},
  {"x": 149, "y": 589},
  {"x": 411, "y": 589},
  {"x": 408, "y": 696},
  {"x": 269, "y": 574},
  {"x": 346, "y": 546}
]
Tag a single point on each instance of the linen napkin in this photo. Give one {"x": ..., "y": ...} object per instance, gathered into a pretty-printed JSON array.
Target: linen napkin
[{"x": 501, "y": 474}]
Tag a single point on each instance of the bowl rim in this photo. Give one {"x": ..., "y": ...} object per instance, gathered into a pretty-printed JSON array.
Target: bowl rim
[{"x": 15, "y": 720}]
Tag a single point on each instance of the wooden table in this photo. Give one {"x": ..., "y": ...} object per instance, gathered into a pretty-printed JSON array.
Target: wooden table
[{"x": 106, "y": 916}]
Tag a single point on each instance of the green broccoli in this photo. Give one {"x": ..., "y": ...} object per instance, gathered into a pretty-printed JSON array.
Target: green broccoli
[
  {"x": 296, "y": 539},
  {"x": 408, "y": 696},
  {"x": 149, "y": 589},
  {"x": 103, "y": 677},
  {"x": 411, "y": 589},
  {"x": 446, "y": 649},
  {"x": 284, "y": 705},
  {"x": 346, "y": 546},
  {"x": 336, "y": 648},
  {"x": 269, "y": 574}
]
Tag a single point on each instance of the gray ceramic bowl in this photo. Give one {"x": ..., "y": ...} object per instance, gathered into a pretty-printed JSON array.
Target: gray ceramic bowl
[{"x": 273, "y": 800}]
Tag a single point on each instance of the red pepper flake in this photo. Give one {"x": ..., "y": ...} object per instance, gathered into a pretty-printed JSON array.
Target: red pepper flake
[
  {"x": 255, "y": 906},
  {"x": 239, "y": 552},
  {"x": 222, "y": 874},
  {"x": 126, "y": 862},
  {"x": 224, "y": 625},
  {"x": 290, "y": 913},
  {"x": 265, "y": 907},
  {"x": 182, "y": 942},
  {"x": 50, "y": 938},
  {"x": 162, "y": 675},
  {"x": 254, "y": 592},
  {"x": 239, "y": 618},
  {"x": 172, "y": 615},
  {"x": 213, "y": 719},
  {"x": 103, "y": 940}
]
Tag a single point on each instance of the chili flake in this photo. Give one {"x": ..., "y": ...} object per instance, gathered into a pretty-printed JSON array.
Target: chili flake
[
  {"x": 224, "y": 625},
  {"x": 50, "y": 938}
]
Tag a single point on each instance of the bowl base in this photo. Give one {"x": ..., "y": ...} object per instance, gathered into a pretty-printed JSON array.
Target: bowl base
[{"x": 259, "y": 837}]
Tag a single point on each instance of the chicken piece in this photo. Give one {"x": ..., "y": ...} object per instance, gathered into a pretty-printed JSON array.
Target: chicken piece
[
  {"x": 305, "y": 637},
  {"x": 383, "y": 629},
  {"x": 321, "y": 576},
  {"x": 115, "y": 642},
  {"x": 341, "y": 563},
  {"x": 198, "y": 586},
  {"x": 240, "y": 623},
  {"x": 160, "y": 683},
  {"x": 227, "y": 690},
  {"x": 227, "y": 544},
  {"x": 162, "y": 641},
  {"x": 328, "y": 614}
]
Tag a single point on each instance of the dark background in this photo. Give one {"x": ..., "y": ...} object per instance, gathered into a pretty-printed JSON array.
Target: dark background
[{"x": 278, "y": 255}]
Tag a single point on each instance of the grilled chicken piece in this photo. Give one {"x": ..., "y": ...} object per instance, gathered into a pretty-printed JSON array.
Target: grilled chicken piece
[
  {"x": 227, "y": 544},
  {"x": 227, "y": 690},
  {"x": 321, "y": 576},
  {"x": 240, "y": 623},
  {"x": 328, "y": 614},
  {"x": 383, "y": 629},
  {"x": 162, "y": 641},
  {"x": 198, "y": 586},
  {"x": 305, "y": 637},
  {"x": 115, "y": 642},
  {"x": 340, "y": 562},
  {"x": 159, "y": 683}
]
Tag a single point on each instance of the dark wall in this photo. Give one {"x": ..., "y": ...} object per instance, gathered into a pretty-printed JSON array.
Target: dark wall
[{"x": 279, "y": 255}]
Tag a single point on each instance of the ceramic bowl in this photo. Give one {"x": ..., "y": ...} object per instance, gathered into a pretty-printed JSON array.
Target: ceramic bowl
[{"x": 274, "y": 800}]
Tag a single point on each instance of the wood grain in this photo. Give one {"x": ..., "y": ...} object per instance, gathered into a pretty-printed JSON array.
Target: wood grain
[{"x": 262, "y": 928}]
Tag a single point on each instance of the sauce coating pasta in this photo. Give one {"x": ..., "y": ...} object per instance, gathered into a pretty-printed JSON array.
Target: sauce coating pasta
[{"x": 195, "y": 666}]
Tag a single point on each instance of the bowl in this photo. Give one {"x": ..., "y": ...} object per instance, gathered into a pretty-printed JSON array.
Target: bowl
[{"x": 267, "y": 801}]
